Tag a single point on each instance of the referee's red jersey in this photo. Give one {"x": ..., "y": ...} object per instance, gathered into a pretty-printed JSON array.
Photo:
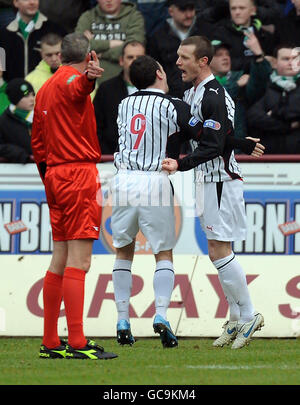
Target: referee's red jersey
[{"x": 64, "y": 124}]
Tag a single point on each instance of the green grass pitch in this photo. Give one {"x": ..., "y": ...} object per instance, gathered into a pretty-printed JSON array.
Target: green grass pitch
[{"x": 194, "y": 362}]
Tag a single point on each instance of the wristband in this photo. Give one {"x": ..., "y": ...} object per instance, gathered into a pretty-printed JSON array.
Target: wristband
[{"x": 260, "y": 56}]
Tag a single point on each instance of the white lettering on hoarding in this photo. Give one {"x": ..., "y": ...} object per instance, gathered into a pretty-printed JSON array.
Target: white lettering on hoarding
[
  {"x": 30, "y": 214},
  {"x": 5, "y": 217},
  {"x": 263, "y": 234}
]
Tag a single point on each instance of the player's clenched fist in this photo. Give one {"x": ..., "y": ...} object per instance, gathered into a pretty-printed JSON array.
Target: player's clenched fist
[{"x": 170, "y": 165}]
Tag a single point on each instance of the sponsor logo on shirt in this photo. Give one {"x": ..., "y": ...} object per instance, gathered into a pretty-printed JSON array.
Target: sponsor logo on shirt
[
  {"x": 212, "y": 125},
  {"x": 193, "y": 121},
  {"x": 215, "y": 90}
]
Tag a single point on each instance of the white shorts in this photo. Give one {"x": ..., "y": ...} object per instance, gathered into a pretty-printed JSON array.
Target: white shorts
[
  {"x": 224, "y": 216},
  {"x": 143, "y": 201}
]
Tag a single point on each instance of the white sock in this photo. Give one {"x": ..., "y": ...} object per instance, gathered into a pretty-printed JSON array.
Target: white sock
[
  {"x": 234, "y": 284},
  {"x": 163, "y": 284},
  {"x": 122, "y": 281}
]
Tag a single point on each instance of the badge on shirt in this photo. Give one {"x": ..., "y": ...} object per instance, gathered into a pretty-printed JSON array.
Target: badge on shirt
[
  {"x": 72, "y": 78},
  {"x": 193, "y": 121},
  {"x": 212, "y": 125}
]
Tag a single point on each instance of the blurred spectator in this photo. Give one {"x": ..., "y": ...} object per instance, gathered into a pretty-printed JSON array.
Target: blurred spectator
[
  {"x": 7, "y": 13},
  {"x": 109, "y": 95},
  {"x": 288, "y": 27},
  {"x": 163, "y": 45},
  {"x": 4, "y": 102},
  {"x": 232, "y": 31},
  {"x": 244, "y": 89},
  {"x": 50, "y": 53},
  {"x": 275, "y": 118},
  {"x": 108, "y": 26},
  {"x": 267, "y": 11},
  {"x": 16, "y": 122},
  {"x": 155, "y": 13},
  {"x": 287, "y": 6},
  {"x": 64, "y": 12},
  {"x": 21, "y": 38}
]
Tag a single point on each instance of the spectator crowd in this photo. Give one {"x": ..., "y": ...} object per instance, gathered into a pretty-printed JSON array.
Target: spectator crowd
[{"x": 257, "y": 60}]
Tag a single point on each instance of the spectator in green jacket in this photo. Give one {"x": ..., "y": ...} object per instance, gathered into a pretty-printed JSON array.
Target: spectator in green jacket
[
  {"x": 244, "y": 89},
  {"x": 108, "y": 26},
  {"x": 50, "y": 53}
]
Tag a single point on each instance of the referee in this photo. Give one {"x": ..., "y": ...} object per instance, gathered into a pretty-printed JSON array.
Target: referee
[{"x": 66, "y": 150}]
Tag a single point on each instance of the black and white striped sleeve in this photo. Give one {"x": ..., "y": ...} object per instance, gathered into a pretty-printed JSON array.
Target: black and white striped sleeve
[
  {"x": 213, "y": 135},
  {"x": 189, "y": 128}
]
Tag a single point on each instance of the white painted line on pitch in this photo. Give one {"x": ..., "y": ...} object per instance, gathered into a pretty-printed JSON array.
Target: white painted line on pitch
[{"x": 224, "y": 367}]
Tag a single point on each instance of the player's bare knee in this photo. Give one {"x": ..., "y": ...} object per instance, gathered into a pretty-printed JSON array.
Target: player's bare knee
[
  {"x": 164, "y": 255},
  {"x": 126, "y": 252},
  {"x": 86, "y": 264},
  {"x": 218, "y": 249}
]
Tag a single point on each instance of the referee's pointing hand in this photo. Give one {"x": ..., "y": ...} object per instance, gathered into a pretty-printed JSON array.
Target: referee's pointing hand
[{"x": 94, "y": 71}]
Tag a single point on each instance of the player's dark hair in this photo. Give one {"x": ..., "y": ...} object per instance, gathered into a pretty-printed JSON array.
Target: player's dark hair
[
  {"x": 142, "y": 71},
  {"x": 74, "y": 48},
  {"x": 203, "y": 47}
]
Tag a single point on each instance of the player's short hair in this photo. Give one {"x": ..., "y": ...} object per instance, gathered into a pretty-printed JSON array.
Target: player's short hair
[
  {"x": 203, "y": 47},
  {"x": 74, "y": 48},
  {"x": 142, "y": 71},
  {"x": 133, "y": 43},
  {"x": 51, "y": 39}
]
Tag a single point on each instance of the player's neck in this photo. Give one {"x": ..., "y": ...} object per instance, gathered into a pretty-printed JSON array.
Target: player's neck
[
  {"x": 159, "y": 84},
  {"x": 202, "y": 76}
]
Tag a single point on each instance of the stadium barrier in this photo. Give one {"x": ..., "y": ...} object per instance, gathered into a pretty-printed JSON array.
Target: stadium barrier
[
  {"x": 198, "y": 307},
  {"x": 269, "y": 257}
]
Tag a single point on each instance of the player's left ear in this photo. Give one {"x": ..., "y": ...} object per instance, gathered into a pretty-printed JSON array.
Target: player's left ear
[{"x": 203, "y": 61}]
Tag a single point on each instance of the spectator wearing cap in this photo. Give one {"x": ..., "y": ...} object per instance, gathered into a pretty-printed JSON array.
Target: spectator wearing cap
[
  {"x": 50, "y": 53},
  {"x": 21, "y": 38},
  {"x": 163, "y": 44},
  {"x": 275, "y": 118},
  {"x": 16, "y": 122},
  {"x": 235, "y": 31},
  {"x": 245, "y": 89}
]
